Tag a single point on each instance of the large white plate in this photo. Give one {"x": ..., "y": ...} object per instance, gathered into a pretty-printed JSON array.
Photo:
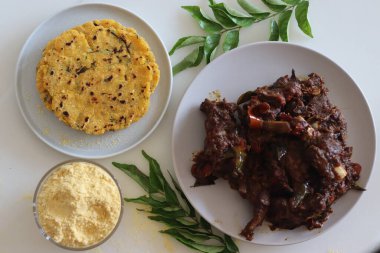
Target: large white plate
[
  {"x": 244, "y": 69},
  {"x": 43, "y": 122}
]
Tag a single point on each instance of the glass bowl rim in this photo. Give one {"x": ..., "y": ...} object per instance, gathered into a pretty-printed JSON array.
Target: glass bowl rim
[{"x": 35, "y": 211}]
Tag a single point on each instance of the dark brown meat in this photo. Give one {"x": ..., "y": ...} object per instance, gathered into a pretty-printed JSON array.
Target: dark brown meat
[
  {"x": 223, "y": 145},
  {"x": 283, "y": 148}
]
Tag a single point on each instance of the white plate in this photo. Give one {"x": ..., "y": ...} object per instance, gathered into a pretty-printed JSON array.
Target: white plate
[
  {"x": 244, "y": 69},
  {"x": 55, "y": 133}
]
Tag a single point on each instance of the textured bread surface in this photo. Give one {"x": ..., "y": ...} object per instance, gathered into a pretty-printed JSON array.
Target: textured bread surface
[{"x": 98, "y": 76}]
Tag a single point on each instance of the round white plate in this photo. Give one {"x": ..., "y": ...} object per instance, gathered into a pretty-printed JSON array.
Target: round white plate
[
  {"x": 245, "y": 69},
  {"x": 55, "y": 133}
]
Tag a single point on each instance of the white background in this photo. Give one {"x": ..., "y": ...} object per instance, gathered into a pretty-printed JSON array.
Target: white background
[{"x": 344, "y": 30}]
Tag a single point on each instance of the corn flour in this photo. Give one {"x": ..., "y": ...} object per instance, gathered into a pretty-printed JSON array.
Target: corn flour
[{"x": 78, "y": 205}]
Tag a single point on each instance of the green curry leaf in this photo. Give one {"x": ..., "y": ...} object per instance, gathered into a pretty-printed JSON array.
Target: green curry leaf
[
  {"x": 227, "y": 23},
  {"x": 292, "y": 2},
  {"x": 301, "y": 17},
  {"x": 253, "y": 10},
  {"x": 206, "y": 24},
  {"x": 211, "y": 43},
  {"x": 191, "y": 60},
  {"x": 187, "y": 41},
  {"x": 171, "y": 207},
  {"x": 274, "y": 5},
  {"x": 274, "y": 31},
  {"x": 231, "y": 40},
  {"x": 283, "y": 23}
]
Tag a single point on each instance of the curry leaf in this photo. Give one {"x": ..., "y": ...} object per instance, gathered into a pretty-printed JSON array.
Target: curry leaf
[
  {"x": 158, "y": 196},
  {"x": 252, "y": 10},
  {"x": 197, "y": 238},
  {"x": 230, "y": 244},
  {"x": 155, "y": 183},
  {"x": 235, "y": 16},
  {"x": 231, "y": 40},
  {"x": 292, "y": 2},
  {"x": 204, "y": 223},
  {"x": 236, "y": 13},
  {"x": 221, "y": 15},
  {"x": 191, "y": 60},
  {"x": 274, "y": 32},
  {"x": 200, "y": 233},
  {"x": 172, "y": 208},
  {"x": 274, "y": 5},
  {"x": 301, "y": 17},
  {"x": 172, "y": 222},
  {"x": 146, "y": 201},
  {"x": 206, "y": 24},
  {"x": 283, "y": 22},
  {"x": 166, "y": 207},
  {"x": 133, "y": 172},
  {"x": 187, "y": 221},
  {"x": 229, "y": 19},
  {"x": 243, "y": 22},
  {"x": 213, "y": 54},
  {"x": 156, "y": 178},
  {"x": 170, "y": 195},
  {"x": 225, "y": 9},
  {"x": 189, "y": 206},
  {"x": 200, "y": 57},
  {"x": 187, "y": 41},
  {"x": 170, "y": 214},
  {"x": 154, "y": 166},
  {"x": 192, "y": 244},
  {"x": 211, "y": 43}
]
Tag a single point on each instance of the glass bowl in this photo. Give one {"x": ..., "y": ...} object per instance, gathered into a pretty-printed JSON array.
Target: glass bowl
[{"x": 36, "y": 214}]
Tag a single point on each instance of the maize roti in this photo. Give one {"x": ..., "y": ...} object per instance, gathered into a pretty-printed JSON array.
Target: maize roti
[{"x": 97, "y": 77}]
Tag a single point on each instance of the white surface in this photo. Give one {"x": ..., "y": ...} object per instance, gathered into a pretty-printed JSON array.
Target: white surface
[
  {"x": 344, "y": 30},
  {"x": 44, "y": 123},
  {"x": 256, "y": 65}
]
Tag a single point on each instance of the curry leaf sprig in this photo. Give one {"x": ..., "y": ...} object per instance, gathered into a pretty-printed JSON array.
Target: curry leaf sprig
[
  {"x": 224, "y": 29},
  {"x": 172, "y": 208}
]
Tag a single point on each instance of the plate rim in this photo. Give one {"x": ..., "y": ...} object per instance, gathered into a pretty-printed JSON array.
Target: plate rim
[
  {"x": 42, "y": 24},
  {"x": 286, "y": 44}
]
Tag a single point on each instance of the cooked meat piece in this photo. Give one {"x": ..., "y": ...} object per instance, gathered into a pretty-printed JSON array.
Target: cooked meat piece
[
  {"x": 283, "y": 147},
  {"x": 224, "y": 147}
]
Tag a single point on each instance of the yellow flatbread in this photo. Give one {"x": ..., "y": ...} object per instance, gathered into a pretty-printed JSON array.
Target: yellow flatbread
[{"x": 98, "y": 76}]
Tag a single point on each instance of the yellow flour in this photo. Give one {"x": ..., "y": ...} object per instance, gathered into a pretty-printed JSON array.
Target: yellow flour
[{"x": 78, "y": 205}]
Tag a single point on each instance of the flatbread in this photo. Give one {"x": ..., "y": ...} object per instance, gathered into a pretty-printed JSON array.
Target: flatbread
[{"x": 97, "y": 77}]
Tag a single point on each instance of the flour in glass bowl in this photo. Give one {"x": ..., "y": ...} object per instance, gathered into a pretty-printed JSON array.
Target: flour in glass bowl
[{"x": 78, "y": 204}]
